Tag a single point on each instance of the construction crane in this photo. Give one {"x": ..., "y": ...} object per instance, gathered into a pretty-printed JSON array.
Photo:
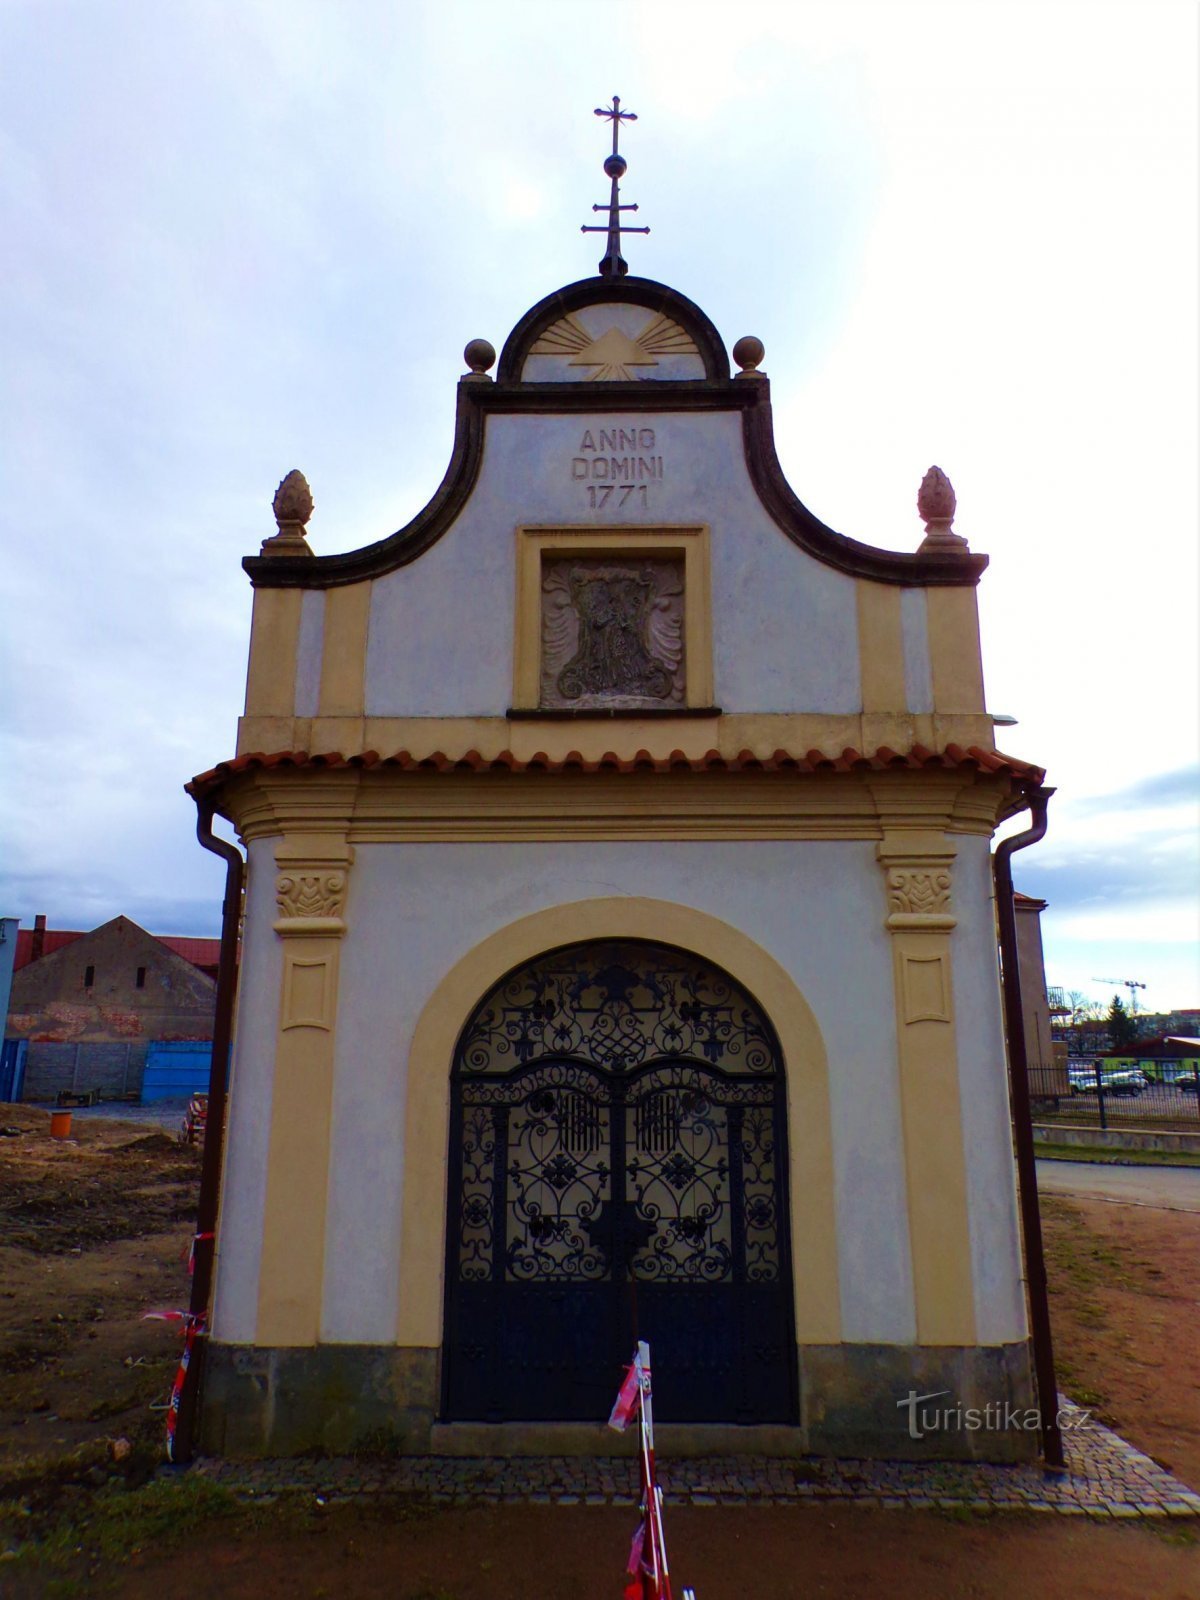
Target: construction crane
[{"x": 1129, "y": 983}]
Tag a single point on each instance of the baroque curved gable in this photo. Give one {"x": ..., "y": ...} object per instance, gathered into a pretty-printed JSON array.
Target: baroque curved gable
[{"x": 627, "y": 348}]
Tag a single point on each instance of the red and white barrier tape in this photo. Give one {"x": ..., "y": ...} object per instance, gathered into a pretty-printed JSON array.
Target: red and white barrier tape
[{"x": 192, "y": 1325}]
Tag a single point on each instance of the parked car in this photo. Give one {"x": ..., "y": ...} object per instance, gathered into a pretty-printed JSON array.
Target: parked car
[
  {"x": 1127, "y": 1081},
  {"x": 1083, "y": 1079},
  {"x": 1187, "y": 1082}
]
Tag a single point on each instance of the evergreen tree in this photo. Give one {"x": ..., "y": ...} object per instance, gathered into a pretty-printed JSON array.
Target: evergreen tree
[{"x": 1121, "y": 1031}]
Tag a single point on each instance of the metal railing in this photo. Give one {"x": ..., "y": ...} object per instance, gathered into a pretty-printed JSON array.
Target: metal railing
[{"x": 1159, "y": 1096}]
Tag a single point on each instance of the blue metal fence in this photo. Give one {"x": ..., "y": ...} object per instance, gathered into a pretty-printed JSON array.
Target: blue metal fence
[{"x": 176, "y": 1070}]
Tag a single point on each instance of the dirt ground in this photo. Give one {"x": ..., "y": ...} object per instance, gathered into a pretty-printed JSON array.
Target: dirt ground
[
  {"x": 1125, "y": 1309},
  {"x": 95, "y": 1232}
]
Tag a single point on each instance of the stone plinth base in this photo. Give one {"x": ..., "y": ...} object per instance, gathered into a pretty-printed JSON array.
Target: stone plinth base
[{"x": 882, "y": 1402}]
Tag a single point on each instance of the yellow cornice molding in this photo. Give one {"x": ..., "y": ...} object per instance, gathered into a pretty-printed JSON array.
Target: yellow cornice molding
[
  {"x": 320, "y": 816},
  {"x": 762, "y": 733}
]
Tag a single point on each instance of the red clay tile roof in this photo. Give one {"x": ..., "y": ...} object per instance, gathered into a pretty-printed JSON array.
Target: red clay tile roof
[
  {"x": 917, "y": 758},
  {"x": 202, "y": 953},
  {"x": 53, "y": 939}
]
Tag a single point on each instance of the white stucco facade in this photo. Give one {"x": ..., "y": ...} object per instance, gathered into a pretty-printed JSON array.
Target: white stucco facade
[
  {"x": 784, "y": 629},
  {"x": 417, "y": 909}
]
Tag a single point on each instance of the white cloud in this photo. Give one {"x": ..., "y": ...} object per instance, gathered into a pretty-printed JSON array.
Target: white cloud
[{"x": 235, "y": 240}]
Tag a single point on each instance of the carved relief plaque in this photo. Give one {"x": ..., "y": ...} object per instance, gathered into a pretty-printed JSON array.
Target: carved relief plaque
[{"x": 612, "y": 633}]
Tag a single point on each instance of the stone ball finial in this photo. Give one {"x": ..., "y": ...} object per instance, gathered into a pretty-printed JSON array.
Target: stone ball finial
[
  {"x": 479, "y": 356},
  {"x": 936, "y": 503},
  {"x": 748, "y": 353},
  {"x": 292, "y": 505}
]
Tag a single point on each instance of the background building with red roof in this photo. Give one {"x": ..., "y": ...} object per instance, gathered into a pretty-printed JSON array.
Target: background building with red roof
[{"x": 90, "y": 1004}]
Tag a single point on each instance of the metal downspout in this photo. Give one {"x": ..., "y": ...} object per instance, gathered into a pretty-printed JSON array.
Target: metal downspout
[
  {"x": 1018, "y": 1075},
  {"x": 204, "y": 1244}
]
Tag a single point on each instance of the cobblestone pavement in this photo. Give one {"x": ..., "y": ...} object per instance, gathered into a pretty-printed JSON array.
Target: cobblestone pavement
[{"x": 1107, "y": 1478}]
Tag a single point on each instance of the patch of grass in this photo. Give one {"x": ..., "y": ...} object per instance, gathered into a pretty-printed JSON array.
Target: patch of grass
[
  {"x": 1116, "y": 1158},
  {"x": 122, "y": 1521},
  {"x": 115, "y": 1405},
  {"x": 1085, "y": 1262},
  {"x": 964, "y": 1513},
  {"x": 88, "y": 1536},
  {"x": 1081, "y": 1393},
  {"x": 1171, "y": 1531}
]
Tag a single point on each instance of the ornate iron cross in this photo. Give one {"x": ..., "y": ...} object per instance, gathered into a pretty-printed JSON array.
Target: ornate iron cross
[{"x": 613, "y": 265}]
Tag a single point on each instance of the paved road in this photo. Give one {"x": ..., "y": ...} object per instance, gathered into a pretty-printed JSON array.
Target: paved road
[
  {"x": 1170, "y": 1188},
  {"x": 159, "y": 1113}
]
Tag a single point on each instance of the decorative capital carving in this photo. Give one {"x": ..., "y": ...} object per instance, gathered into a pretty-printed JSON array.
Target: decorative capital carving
[
  {"x": 292, "y": 505},
  {"x": 919, "y": 881},
  {"x": 936, "y": 503},
  {"x": 310, "y": 889},
  {"x": 310, "y": 894},
  {"x": 918, "y": 891}
]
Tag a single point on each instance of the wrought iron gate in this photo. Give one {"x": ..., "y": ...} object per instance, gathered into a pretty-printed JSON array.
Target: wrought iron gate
[{"x": 618, "y": 1170}]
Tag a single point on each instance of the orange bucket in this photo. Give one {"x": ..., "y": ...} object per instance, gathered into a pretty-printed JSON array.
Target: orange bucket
[{"x": 60, "y": 1124}]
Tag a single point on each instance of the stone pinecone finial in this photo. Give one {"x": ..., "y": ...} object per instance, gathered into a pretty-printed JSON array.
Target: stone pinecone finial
[
  {"x": 292, "y": 505},
  {"x": 936, "y": 504}
]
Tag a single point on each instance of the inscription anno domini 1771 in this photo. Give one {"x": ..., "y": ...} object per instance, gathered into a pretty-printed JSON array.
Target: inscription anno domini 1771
[
  {"x": 617, "y": 465},
  {"x": 612, "y": 634}
]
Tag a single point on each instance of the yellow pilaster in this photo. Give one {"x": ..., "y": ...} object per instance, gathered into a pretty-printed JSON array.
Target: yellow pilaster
[
  {"x": 955, "y": 661},
  {"x": 311, "y": 893},
  {"x": 344, "y": 662},
  {"x": 880, "y": 647},
  {"x": 918, "y": 864},
  {"x": 274, "y": 635}
]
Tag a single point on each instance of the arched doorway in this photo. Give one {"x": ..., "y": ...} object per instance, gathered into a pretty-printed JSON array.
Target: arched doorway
[{"x": 618, "y": 1170}]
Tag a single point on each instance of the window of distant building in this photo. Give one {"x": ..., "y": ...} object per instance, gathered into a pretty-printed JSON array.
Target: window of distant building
[
  {"x": 141, "y": 977},
  {"x": 89, "y": 977}
]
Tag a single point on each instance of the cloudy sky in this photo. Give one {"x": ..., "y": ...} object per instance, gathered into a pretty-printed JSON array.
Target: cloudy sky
[{"x": 241, "y": 237}]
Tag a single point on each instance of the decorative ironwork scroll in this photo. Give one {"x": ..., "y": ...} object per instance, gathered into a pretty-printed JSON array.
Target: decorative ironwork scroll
[
  {"x": 617, "y": 1004},
  {"x": 678, "y": 1163},
  {"x": 617, "y": 1124},
  {"x": 575, "y": 1021}
]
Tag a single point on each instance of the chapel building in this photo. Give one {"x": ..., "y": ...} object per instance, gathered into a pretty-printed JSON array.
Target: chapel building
[{"x": 620, "y": 954}]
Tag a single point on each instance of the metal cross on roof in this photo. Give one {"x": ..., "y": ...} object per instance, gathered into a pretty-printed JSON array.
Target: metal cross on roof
[{"x": 613, "y": 264}]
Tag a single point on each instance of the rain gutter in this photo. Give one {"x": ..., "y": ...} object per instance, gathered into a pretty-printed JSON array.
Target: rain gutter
[
  {"x": 204, "y": 1243},
  {"x": 1018, "y": 1076}
]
